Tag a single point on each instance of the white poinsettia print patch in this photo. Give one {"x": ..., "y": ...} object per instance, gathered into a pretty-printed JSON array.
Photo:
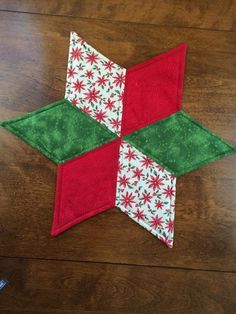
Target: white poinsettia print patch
[
  {"x": 146, "y": 193},
  {"x": 95, "y": 84}
]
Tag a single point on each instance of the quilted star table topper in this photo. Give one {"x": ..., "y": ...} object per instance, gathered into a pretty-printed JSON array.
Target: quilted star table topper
[{"x": 120, "y": 139}]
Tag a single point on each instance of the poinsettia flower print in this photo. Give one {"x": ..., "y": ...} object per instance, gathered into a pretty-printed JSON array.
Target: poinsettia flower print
[
  {"x": 96, "y": 83},
  {"x": 146, "y": 193}
]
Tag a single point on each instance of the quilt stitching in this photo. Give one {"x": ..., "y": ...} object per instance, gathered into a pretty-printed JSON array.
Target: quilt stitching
[
  {"x": 192, "y": 167},
  {"x": 149, "y": 201}
]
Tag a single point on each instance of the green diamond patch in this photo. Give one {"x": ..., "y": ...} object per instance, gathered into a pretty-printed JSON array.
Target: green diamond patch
[
  {"x": 179, "y": 143},
  {"x": 60, "y": 131}
]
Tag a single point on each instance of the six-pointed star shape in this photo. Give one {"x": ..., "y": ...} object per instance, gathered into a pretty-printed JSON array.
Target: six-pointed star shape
[{"x": 120, "y": 139}]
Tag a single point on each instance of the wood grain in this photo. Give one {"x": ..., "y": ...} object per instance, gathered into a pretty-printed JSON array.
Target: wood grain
[
  {"x": 66, "y": 287},
  {"x": 40, "y": 54},
  {"x": 206, "y": 14},
  {"x": 204, "y": 229},
  {"x": 109, "y": 264},
  {"x": 205, "y": 220}
]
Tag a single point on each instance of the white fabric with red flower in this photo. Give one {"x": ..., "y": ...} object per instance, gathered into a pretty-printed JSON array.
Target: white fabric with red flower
[{"x": 95, "y": 84}]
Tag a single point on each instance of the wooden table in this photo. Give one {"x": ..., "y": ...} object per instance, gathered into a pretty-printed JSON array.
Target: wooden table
[{"x": 109, "y": 264}]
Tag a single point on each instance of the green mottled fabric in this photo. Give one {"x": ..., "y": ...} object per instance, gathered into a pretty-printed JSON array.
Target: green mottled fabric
[
  {"x": 179, "y": 143},
  {"x": 60, "y": 131}
]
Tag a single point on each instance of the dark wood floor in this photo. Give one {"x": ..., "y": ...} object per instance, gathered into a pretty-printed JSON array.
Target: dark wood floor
[{"x": 109, "y": 264}]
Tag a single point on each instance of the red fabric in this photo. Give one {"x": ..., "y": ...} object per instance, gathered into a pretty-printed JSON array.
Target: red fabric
[
  {"x": 86, "y": 186},
  {"x": 153, "y": 89}
]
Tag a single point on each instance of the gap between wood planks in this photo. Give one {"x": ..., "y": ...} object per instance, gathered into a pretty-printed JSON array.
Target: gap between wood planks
[
  {"x": 118, "y": 21},
  {"x": 119, "y": 264}
]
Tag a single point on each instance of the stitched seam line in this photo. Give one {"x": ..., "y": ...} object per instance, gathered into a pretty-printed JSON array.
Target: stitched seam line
[
  {"x": 179, "y": 173},
  {"x": 145, "y": 64},
  {"x": 155, "y": 232},
  {"x": 151, "y": 121},
  {"x": 41, "y": 148},
  {"x": 146, "y": 226},
  {"x": 121, "y": 157},
  {"x": 157, "y": 58},
  {"x": 8, "y": 125},
  {"x": 202, "y": 163},
  {"x": 44, "y": 151},
  {"x": 32, "y": 113},
  {"x": 118, "y": 132},
  {"x": 85, "y": 154},
  {"x": 187, "y": 117},
  {"x": 116, "y": 176},
  {"x": 60, "y": 191},
  {"x": 64, "y": 227}
]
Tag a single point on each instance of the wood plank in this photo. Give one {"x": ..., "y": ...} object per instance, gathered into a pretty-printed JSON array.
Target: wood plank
[
  {"x": 210, "y": 84},
  {"x": 34, "y": 54},
  {"x": 204, "y": 236},
  {"x": 205, "y": 14},
  {"x": 38, "y": 286}
]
